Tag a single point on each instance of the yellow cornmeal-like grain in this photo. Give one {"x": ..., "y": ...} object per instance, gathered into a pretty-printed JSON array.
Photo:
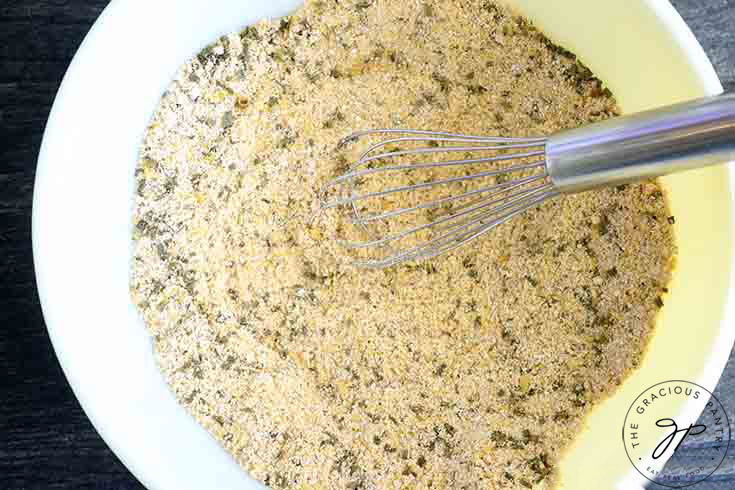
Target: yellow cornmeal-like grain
[{"x": 472, "y": 371}]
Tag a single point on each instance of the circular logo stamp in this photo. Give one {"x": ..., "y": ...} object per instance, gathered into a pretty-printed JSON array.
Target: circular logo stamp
[{"x": 653, "y": 433}]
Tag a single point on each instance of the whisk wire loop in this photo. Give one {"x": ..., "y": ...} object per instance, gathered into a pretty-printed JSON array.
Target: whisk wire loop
[
  {"x": 449, "y": 242},
  {"x": 501, "y": 193}
]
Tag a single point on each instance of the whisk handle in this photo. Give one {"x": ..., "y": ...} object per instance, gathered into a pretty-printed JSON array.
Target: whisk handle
[{"x": 648, "y": 144}]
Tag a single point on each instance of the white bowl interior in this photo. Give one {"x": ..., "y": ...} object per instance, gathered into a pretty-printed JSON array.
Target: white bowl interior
[{"x": 83, "y": 203}]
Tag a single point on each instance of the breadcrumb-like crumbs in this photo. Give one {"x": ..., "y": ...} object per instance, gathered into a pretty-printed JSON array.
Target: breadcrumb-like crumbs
[{"x": 472, "y": 371}]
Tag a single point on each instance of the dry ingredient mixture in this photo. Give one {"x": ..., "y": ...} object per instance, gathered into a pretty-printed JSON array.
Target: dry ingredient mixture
[{"x": 472, "y": 371}]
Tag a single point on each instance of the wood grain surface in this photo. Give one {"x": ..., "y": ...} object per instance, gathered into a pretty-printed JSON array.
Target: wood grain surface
[{"x": 46, "y": 442}]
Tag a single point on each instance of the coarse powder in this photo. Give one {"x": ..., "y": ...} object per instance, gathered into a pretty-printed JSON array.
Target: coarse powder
[{"x": 471, "y": 371}]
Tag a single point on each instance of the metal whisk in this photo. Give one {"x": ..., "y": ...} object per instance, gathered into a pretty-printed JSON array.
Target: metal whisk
[{"x": 413, "y": 205}]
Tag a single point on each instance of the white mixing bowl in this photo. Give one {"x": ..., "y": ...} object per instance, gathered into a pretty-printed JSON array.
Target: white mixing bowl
[{"x": 82, "y": 224}]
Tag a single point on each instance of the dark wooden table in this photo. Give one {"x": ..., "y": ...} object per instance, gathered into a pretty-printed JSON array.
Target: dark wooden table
[{"x": 46, "y": 441}]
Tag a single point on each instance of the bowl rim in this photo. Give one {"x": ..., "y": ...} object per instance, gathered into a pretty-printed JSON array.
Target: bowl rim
[{"x": 671, "y": 19}]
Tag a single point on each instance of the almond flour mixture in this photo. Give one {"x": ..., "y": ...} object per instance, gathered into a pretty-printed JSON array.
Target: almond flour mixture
[{"x": 472, "y": 371}]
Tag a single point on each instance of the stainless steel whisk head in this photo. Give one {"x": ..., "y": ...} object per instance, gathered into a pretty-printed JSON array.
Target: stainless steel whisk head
[
  {"x": 447, "y": 189},
  {"x": 498, "y": 179}
]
